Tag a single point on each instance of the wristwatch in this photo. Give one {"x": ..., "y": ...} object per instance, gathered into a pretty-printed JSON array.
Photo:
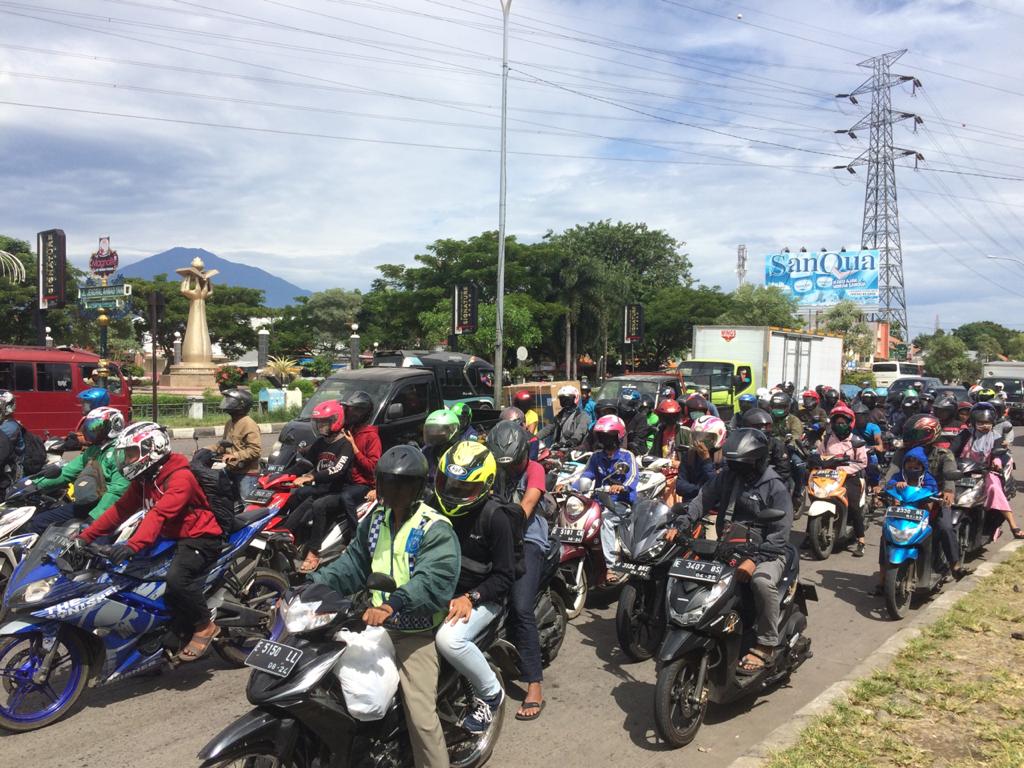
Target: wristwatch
[{"x": 474, "y": 598}]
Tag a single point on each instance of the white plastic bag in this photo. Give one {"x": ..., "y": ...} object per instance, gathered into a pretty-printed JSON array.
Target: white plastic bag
[{"x": 368, "y": 672}]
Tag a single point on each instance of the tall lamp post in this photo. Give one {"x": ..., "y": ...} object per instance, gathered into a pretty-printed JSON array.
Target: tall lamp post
[
  {"x": 353, "y": 348},
  {"x": 499, "y": 331}
]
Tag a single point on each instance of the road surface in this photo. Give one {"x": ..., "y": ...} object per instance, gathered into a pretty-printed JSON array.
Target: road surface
[{"x": 599, "y": 707}]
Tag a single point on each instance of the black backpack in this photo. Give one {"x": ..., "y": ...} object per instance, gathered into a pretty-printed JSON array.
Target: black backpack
[
  {"x": 218, "y": 489},
  {"x": 517, "y": 521},
  {"x": 34, "y": 458}
]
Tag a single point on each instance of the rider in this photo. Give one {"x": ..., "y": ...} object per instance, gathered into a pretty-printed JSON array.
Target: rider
[
  {"x": 364, "y": 438},
  {"x": 632, "y": 415},
  {"x": 404, "y": 537},
  {"x": 829, "y": 399},
  {"x": 842, "y": 443},
  {"x": 788, "y": 427},
  {"x": 669, "y": 414},
  {"x": 910, "y": 405},
  {"x": 587, "y": 403},
  {"x": 778, "y": 454},
  {"x": 871, "y": 434},
  {"x": 740, "y": 492},
  {"x": 11, "y": 429},
  {"x": 516, "y": 416},
  {"x": 983, "y": 444},
  {"x": 747, "y": 403},
  {"x": 700, "y": 462},
  {"x": 90, "y": 399},
  {"x": 927, "y": 401},
  {"x": 241, "y": 445},
  {"x": 945, "y": 410},
  {"x": 465, "y": 477},
  {"x": 99, "y": 429},
  {"x": 695, "y": 406},
  {"x": 810, "y": 411},
  {"x": 466, "y": 429},
  {"x": 441, "y": 432},
  {"x": 523, "y": 482},
  {"x": 876, "y": 413},
  {"x": 571, "y": 423},
  {"x": 176, "y": 508}
]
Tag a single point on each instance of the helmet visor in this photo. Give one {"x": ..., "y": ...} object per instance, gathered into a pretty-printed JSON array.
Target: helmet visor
[
  {"x": 810, "y": 403},
  {"x": 437, "y": 434},
  {"x": 95, "y": 430},
  {"x": 323, "y": 426},
  {"x": 400, "y": 491},
  {"x": 606, "y": 440},
  {"x": 458, "y": 492},
  {"x": 126, "y": 457},
  {"x": 229, "y": 404}
]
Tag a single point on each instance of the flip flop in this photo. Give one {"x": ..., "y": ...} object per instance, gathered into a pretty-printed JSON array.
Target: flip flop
[
  {"x": 534, "y": 706},
  {"x": 201, "y": 646},
  {"x": 310, "y": 564},
  {"x": 746, "y": 668}
]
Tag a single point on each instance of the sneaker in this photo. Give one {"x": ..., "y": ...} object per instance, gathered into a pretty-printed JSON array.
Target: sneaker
[
  {"x": 859, "y": 549},
  {"x": 484, "y": 710}
]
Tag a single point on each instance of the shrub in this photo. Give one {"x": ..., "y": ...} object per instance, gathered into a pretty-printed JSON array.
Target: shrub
[
  {"x": 305, "y": 386},
  {"x": 229, "y": 376}
]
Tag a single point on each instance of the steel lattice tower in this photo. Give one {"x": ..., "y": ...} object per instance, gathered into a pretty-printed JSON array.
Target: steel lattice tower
[{"x": 881, "y": 226}]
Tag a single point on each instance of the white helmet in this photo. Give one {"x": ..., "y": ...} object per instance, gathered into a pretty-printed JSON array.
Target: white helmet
[
  {"x": 999, "y": 386},
  {"x": 141, "y": 447},
  {"x": 568, "y": 392},
  {"x": 711, "y": 425},
  {"x": 100, "y": 425}
]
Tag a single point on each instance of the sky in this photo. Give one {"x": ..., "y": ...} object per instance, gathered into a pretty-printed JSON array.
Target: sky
[{"x": 319, "y": 138}]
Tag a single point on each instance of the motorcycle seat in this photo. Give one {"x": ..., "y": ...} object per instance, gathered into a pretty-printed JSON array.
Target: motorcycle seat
[{"x": 251, "y": 516}]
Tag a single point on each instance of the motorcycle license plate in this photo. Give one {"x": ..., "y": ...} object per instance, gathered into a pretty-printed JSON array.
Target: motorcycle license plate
[
  {"x": 634, "y": 569},
  {"x": 273, "y": 658},
  {"x": 906, "y": 513},
  {"x": 697, "y": 570},
  {"x": 259, "y": 496},
  {"x": 831, "y": 474},
  {"x": 569, "y": 535}
]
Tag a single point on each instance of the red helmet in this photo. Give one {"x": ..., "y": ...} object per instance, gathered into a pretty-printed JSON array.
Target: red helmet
[
  {"x": 811, "y": 393},
  {"x": 842, "y": 410},
  {"x": 922, "y": 429},
  {"x": 668, "y": 408},
  {"x": 328, "y": 418},
  {"x": 609, "y": 432},
  {"x": 523, "y": 400}
]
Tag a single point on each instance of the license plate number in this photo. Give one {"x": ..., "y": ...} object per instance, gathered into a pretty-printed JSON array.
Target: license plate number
[
  {"x": 273, "y": 658},
  {"x": 634, "y": 569},
  {"x": 906, "y": 513},
  {"x": 697, "y": 570},
  {"x": 569, "y": 535},
  {"x": 259, "y": 496}
]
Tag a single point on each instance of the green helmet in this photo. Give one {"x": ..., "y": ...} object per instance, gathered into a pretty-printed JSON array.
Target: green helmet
[
  {"x": 464, "y": 414},
  {"x": 441, "y": 428}
]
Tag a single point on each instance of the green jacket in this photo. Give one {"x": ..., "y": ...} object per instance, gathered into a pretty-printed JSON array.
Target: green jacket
[
  {"x": 117, "y": 484},
  {"x": 432, "y": 586}
]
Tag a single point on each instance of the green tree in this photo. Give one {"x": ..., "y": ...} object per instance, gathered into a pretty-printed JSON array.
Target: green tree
[
  {"x": 673, "y": 311},
  {"x": 921, "y": 341},
  {"x": 316, "y": 324},
  {"x": 847, "y": 320},
  {"x": 946, "y": 358},
  {"x": 987, "y": 347},
  {"x": 970, "y": 333},
  {"x": 761, "y": 305},
  {"x": 520, "y": 328}
]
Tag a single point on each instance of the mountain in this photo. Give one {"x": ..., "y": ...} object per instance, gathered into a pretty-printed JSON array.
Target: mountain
[{"x": 278, "y": 292}]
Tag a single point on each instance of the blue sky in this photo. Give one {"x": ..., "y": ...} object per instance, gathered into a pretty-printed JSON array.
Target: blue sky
[{"x": 353, "y": 132}]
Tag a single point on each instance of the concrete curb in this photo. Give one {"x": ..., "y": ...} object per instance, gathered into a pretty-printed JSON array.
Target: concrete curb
[
  {"x": 186, "y": 433},
  {"x": 786, "y": 735}
]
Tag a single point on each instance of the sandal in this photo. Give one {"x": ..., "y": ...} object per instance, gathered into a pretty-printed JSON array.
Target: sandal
[
  {"x": 310, "y": 564},
  {"x": 198, "y": 646},
  {"x": 1017, "y": 533},
  {"x": 534, "y": 707},
  {"x": 748, "y": 667}
]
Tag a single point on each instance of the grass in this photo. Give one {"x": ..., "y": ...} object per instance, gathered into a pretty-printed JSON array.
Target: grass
[{"x": 953, "y": 698}]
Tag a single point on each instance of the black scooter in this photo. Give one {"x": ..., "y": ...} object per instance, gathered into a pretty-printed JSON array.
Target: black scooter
[
  {"x": 711, "y": 628},
  {"x": 976, "y": 526}
]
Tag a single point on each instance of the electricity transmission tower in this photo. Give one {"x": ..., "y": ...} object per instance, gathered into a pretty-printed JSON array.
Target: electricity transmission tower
[
  {"x": 881, "y": 227},
  {"x": 741, "y": 264}
]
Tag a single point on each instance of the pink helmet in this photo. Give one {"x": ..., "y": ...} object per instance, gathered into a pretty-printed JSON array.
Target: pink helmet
[
  {"x": 609, "y": 432},
  {"x": 711, "y": 425}
]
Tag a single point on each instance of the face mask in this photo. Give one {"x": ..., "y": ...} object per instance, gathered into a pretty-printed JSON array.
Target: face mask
[
  {"x": 810, "y": 404},
  {"x": 912, "y": 476},
  {"x": 778, "y": 413},
  {"x": 841, "y": 430}
]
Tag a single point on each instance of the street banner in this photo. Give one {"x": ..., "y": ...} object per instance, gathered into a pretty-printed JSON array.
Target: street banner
[
  {"x": 633, "y": 324},
  {"x": 51, "y": 250},
  {"x": 464, "y": 309},
  {"x": 824, "y": 278}
]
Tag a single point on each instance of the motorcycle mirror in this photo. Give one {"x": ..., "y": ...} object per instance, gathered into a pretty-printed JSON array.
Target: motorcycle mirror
[
  {"x": 381, "y": 582},
  {"x": 621, "y": 468}
]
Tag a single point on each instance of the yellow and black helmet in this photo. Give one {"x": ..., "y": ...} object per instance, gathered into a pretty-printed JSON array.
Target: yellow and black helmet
[{"x": 465, "y": 476}]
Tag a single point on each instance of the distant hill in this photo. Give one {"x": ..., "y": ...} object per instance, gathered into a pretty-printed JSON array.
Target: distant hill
[{"x": 278, "y": 292}]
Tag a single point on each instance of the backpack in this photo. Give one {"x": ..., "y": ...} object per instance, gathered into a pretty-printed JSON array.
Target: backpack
[
  {"x": 34, "y": 458},
  {"x": 218, "y": 489},
  {"x": 517, "y": 521}
]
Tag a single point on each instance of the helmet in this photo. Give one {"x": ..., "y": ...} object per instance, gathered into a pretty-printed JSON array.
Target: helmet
[
  {"x": 667, "y": 393},
  {"x": 945, "y": 408},
  {"x": 972, "y": 393},
  {"x": 463, "y": 413},
  {"x": 927, "y": 398},
  {"x": 6, "y": 403},
  {"x": 984, "y": 395},
  {"x": 585, "y": 387},
  {"x": 523, "y": 400},
  {"x": 236, "y": 401},
  {"x": 93, "y": 397},
  {"x": 629, "y": 402},
  {"x": 788, "y": 387},
  {"x": 747, "y": 402},
  {"x": 141, "y": 448},
  {"x": 842, "y": 410},
  {"x": 999, "y": 386},
  {"x": 711, "y": 425},
  {"x": 669, "y": 411},
  {"x": 755, "y": 418},
  {"x": 358, "y": 408},
  {"x": 568, "y": 396},
  {"x": 922, "y": 429},
  {"x": 100, "y": 425},
  {"x": 983, "y": 413},
  {"x": 513, "y": 414},
  {"x": 696, "y": 406},
  {"x": 829, "y": 398},
  {"x": 910, "y": 403},
  {"x": 763, "y": 396},
  {"x": 647, "y": 403},
  {"x": 810, "y": 399},
  {"x": 401, "y": 475},
  {"x": 328, "y": 418},
  {"x": 869, "y": 397},
  {"x": 779, "y": 404},
  {"x": 860, "y": 413},
  {"x": 509, "y": 443},
  {"x": 606, "y": 407},
  {"x": 609, "y": 432},
  {"x": 465, "y": 476},
  {"x": 746, "y": 451},
  {"x": 440, "y": 428}
]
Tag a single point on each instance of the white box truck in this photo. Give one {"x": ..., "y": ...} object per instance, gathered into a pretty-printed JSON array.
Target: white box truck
[{"x": 732, "y": 360}]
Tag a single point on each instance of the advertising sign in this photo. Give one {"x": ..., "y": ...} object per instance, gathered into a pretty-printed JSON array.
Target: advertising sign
[
  {"x": 464, "y": 309},
  {"x": 51, "y": 248},
  {"x": 824, "y": 278},
  {"x": 104, "y": 261},
  {"x": 633, "y": 324}
]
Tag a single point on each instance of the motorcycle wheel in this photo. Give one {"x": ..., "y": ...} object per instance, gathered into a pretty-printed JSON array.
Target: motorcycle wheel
[
  {"x": 637, "y": 638},
  {"x": 963, "y": 538},
  {"x": 466, "y": 750},
  {"x": 576, "y": 595},
  {"x": 675, "y": 718},
  {"x": 821, "y": 536},
  {"x": 259, "y": 756},
  {"x": 899, "y": 586},
  {"x": 561, "y": 626},
  {"x": 264, "y": 590},
  {"x": 25, "y": 705}
]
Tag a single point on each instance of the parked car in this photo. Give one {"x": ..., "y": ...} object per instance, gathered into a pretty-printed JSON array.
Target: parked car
[{"x": 461, "y": 378}]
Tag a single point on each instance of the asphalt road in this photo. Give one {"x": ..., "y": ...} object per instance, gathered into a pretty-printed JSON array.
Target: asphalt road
[{"x": 599, "y": 707}]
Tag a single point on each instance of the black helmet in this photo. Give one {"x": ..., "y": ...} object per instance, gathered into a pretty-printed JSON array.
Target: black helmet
[
  {"x": 945, "y": 408},
  {"x": 629, "y": 404},
  {"x": 927, "y": 398},
  {"x": 829, "y": 398},
  {"x": 696, "y": 403},
  {"x": 788, "y": 387},
  {"x": 869, "y": 397},
  {"x": 779, "y": 404},
  {"x": 509, "y": 444},
  {"x": 755, "y": 418},
  {"x": 667, "y": 392},
  {"x": 401, "y": 475},
  {"x": 647, "y": 403},
  {"x": 746, "y": 451},
  {"x": 860, "y": 413},
  {"x": 513, "y": 414},
  {"x": 584, "y": 386},
  {"x": 606, "y": 407},
  {"x": 358, "y": 408},
  {"x": 236, "y": 401}
]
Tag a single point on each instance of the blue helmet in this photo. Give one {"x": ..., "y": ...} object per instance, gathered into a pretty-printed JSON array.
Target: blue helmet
[
  {"x": 94, "y": 397},
  {"x": 747, "y": 402}
]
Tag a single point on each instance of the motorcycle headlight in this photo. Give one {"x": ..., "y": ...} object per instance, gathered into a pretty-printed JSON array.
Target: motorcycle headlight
[
  {"x": 38, "y": 590},
  {"x": 903, "y": 535},
  {"x": 700, "y": 604},
  {"x": 303, "y": 617},
  {"x": 574, "y": 507},
  {"x": 655, "y": 551},
  {"x": 824, "y": 490}
]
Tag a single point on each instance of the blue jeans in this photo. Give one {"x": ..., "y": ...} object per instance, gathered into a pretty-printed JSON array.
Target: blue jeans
[
  {"x": 57, "y": 516},
  {"x": 455, "y": 644},
  {"x": 522, "y": 621}
]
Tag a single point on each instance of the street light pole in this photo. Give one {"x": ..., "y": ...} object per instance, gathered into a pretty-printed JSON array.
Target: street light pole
[{"x": 499, "y": 331}]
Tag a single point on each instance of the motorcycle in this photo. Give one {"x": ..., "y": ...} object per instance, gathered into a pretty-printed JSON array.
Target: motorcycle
[
  {"x": 711, "y": 628},
  {"x": 301, "y": 717},
  {"x": 73, "y": 618},
  {"x": 828, "y": 527},
  {"x": 914, "y": 561},
  {"x": 645, "y": 557},
  {"x": 978, "y": 526},
  {"x": 24, "y": 499},
  {"x": 653, "y": 477}
]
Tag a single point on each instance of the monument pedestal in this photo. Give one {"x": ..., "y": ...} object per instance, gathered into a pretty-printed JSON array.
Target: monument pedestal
[{"x": 190, "y": 378}]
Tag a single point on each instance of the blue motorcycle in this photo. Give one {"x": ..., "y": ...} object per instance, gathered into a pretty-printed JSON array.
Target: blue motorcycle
[
  {"x": 913, "y": 561},
  {"x": 71, "y": 617}
]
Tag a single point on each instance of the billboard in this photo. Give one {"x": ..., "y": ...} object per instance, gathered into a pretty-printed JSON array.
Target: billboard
[
  {"x": 824, "y": 278},
  {"x": 633, "y": 324},
  {"x": 51, "y": 248},
  {"x": 465, "y": 303}
]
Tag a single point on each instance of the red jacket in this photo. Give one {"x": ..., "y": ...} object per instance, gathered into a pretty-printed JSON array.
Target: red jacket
[
  {"x": 368, "y": 452},
  {"x": 176, "y": 508}
]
